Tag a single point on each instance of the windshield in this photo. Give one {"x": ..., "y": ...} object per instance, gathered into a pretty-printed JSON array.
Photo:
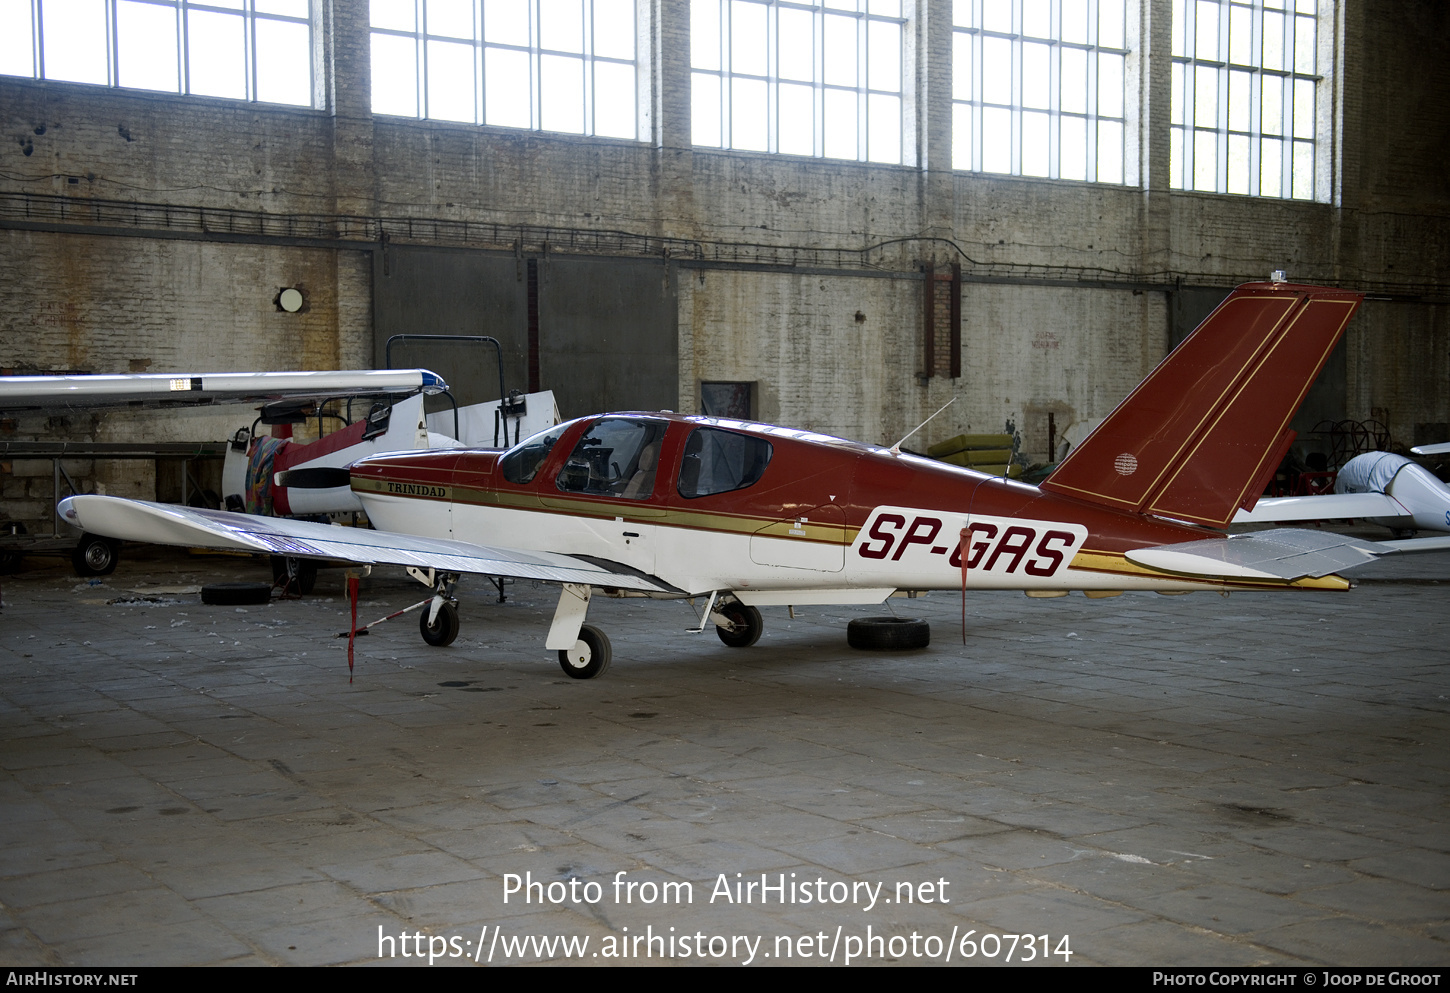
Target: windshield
[{"x": 521, "y": 463}]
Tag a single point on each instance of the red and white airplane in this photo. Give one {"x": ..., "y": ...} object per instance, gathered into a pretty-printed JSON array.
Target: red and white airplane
[{"x": 748, "y": 515}]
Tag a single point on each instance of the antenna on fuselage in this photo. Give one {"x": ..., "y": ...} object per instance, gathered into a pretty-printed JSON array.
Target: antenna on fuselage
[{"x": 896, "y": 448}]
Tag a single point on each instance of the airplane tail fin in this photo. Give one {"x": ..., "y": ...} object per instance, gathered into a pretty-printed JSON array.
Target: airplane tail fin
[{"x": 1198, "y": 439}]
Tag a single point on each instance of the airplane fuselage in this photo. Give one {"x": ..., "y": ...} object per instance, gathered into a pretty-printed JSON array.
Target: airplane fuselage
[{"x": 823, "y": 521}]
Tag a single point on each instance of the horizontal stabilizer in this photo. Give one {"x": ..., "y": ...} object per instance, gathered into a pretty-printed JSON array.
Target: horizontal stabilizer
[
  {"x": 169, "y": 524},
  {"x": 1285, "y": 553},
  {"x": 1439, "y": 543},
  {"x": 1327, "y": 507}
]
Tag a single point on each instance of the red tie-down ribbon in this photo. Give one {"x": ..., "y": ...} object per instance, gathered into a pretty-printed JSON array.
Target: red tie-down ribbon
[
  {"x": 353, "y": 629},
  {"x": 963, "y": 543}
]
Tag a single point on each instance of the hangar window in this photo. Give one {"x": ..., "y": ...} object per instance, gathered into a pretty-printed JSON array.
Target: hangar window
[
  {"x": 810, "y": 77},
  {"x": 549, "y": 65},
  {"x": 1244, "y": 97},
  {"x": 1040, "y": 87},
  {"x": 240, "y": 49},
  {"x": 733, "y": 400}
]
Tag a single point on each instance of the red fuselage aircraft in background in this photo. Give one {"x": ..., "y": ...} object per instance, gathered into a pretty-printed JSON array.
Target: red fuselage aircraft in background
[{"x": 750, "y": 515}]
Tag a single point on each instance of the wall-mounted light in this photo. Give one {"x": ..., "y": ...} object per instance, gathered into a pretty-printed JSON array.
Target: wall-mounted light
[{"x": 290, "y": 299}]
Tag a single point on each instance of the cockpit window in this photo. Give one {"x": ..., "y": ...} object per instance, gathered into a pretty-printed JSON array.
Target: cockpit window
[
  {"x": 521, "y": 463},
  {"x": 719, "y": 461},
  {"x": 617, "y": 457}
]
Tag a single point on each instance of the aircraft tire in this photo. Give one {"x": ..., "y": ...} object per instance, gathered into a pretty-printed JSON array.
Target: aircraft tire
[
  {"x": 95, "y": 556},
  {"x": 443, "y": 630},
  {"x": 888, "y": 634},
  {"x": 590, "y": 655},
  {"x": 748, "y": 618},
  {"x": 306, "y": 575},
  {"x": 236, "y": 594},
  {"x": 10, "y": 561}
]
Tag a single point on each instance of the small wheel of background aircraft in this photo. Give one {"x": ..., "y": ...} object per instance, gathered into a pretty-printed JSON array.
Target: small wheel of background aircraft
[{"x": 95, "y": 555}]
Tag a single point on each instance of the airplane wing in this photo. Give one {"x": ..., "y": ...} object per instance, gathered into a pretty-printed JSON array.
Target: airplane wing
[
  {"x": 37, "y": 394},
  {"x": 1440, "y": 448},
  {"x": 1439, "y": 543},
  {"x": 169, "y": 524},
  {"x": 1325, "y": 507},
  {"x": 1284, "y": 553}
]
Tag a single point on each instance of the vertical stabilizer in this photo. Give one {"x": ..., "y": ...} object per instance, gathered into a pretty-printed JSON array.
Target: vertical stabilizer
[{"x": 1197, "y": 438}]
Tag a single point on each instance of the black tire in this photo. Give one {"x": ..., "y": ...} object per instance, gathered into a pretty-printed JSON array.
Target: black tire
[
  {"x": 95, "y": 556},
  {"x": 236, "y": 594},
  {"x": 590, "y": 655},
  {"x": 888, "y": 634},
  {"x": 10, "y": 561},
  {"x": 444, "y": 627},
  {"x": 304, "y": 581},
  {"x": 749, "y": 625}
]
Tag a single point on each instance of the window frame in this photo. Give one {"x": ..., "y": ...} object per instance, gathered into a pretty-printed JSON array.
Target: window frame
[
  {"x": 248, "y": 14},
  {"x": 1187, "y": 70},
  {"x": 772, "y": 79},
  {"x": 975, "y": 105},
  {"x": 536, "y": 54}
]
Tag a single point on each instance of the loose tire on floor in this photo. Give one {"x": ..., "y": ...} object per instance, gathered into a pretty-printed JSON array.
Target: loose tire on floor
[
  {"x": 95, "y": 556},
  {"x": 590, "y": 655},
  {"x": 236, "y": 594},
  {"x": 888, "y": 634},
  {"x": 444, "y": 627}
]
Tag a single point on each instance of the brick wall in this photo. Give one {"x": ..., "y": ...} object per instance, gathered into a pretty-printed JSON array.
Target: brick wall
[{"x": 77, "y": 297}]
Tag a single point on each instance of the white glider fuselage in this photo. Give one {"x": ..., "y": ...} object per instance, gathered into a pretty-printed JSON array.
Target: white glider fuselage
[{"x": 1380, "y": 487}]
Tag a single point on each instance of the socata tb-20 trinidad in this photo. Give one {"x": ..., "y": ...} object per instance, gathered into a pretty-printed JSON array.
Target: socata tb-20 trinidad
[{"x": 749, "y": 515}]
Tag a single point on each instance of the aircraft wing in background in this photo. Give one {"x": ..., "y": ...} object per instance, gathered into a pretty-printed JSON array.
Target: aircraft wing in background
[{"x": 43, "y": 394}]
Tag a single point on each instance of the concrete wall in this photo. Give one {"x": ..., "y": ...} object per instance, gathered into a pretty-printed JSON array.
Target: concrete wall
[{"x": 1067, "y": 285}]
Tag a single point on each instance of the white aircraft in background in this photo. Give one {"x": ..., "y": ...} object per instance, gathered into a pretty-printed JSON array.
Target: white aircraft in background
[
  {"x": 1380, "y": 487},
  {"x": 267, "y": 475},
  {"x": 22, "y": 396}
]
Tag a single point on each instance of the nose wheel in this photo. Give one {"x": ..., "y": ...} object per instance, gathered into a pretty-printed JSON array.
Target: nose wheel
[{"x": 590, "y": 655}]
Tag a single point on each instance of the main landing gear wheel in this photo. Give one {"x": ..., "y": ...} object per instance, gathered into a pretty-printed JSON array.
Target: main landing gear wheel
[
  {"x": 300, "y": 584},
  {"x": 95, "y": 556},
  {"x": 590, "y": 655},
  {"x": 748, "y": 625},
  {"x": 888, "y": 634},
  {"x": 444, "y": 627}
]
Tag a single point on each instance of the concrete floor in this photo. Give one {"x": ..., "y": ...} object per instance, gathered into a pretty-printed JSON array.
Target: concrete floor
[{"x": 1158, "y": 780}]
